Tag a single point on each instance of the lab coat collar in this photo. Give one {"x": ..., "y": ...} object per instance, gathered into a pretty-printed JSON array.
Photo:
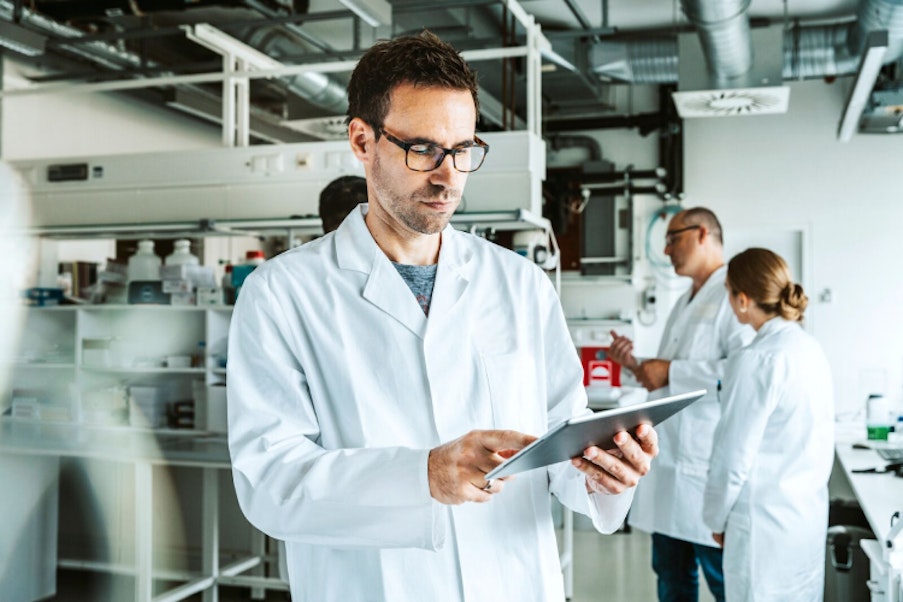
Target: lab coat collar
[
  {"x": 356, "y": 250},
  {"x": 775, "y": 325}
]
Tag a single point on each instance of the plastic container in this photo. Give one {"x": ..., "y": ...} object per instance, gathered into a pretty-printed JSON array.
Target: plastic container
[
  {"x": 181, "y": 255},
  {"x": 144, "y": 264},
  {"x": 877, "y": 417},
  {"x": 242, "y": 270},
  {"x": 228, "y": 288}
]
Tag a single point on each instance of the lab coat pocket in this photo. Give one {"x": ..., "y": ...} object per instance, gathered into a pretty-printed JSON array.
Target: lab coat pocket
[{"x": 511, "y": 381}]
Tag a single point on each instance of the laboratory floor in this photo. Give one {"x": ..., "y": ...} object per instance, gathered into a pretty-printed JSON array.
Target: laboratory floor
[{"x": 608, "y": 568}]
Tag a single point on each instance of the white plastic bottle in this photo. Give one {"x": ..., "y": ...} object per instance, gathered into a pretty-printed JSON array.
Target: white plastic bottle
[
  {"x": 181, "y": 255},
  {"x": 144, "y": 264}
]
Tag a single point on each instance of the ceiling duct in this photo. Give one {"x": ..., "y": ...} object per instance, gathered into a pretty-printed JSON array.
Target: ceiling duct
[
  {"x": 809, "y": 51},
  {"x": 738, "y": 80},
  {"x": 749, "y": 84}
]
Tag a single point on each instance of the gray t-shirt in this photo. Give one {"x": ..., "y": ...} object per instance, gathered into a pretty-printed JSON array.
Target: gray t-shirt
[{"x": 420, "y": 279}]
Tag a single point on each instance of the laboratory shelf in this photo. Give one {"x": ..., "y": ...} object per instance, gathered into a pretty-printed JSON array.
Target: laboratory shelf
[
  {"x": 143, "y": 370},
  {"x": 89, "y": 353},
  {"x": 41, "y": 365}
]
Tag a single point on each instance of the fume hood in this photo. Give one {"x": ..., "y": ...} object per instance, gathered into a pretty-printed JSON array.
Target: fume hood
[{"x": 253, "y": 184}]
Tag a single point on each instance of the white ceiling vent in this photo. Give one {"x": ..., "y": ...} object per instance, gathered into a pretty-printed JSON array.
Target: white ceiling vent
[
  {"x": 728, "y": 103},
  {"x": 322, "y": 128},
  {"x": 759, "y": 91}
]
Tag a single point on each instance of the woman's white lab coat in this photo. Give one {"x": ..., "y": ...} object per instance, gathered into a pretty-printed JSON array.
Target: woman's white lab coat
[
  {"x": 768, "y": 484},
  {"x": 338, "y": 387},
  {"x": 699, "y": 335}
]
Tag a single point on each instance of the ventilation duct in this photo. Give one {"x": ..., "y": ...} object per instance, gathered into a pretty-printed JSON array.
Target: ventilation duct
[
  {"x": 741, "y": 85},
  {"x": 316, "y": 88},
  {"x": 808, "y": 51}
]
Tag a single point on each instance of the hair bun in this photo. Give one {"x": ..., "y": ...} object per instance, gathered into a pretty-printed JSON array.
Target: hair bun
[{"x": 793, "y": 301}]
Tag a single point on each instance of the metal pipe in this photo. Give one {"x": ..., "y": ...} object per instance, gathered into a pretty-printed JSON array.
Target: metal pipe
[
  {"x": 810, "y": 51},
  {"x": 724, "y": 32}
]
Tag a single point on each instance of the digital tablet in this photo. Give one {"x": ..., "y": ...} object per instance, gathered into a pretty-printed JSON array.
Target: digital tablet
[{"x": 571, "y": 437}]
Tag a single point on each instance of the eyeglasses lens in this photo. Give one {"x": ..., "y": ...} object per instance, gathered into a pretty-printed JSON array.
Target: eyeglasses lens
[{"x": 428, "y": 157}]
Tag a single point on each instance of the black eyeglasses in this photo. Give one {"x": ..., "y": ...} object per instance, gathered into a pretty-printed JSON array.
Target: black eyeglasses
[
  {"x": 671, "y": 234},
  {"x": 425, "y": 156}
]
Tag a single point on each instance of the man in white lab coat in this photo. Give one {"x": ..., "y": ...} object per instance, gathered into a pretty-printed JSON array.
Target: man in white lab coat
[
  {"x": 700, "y": 333},
  {"x": 378, "y": 373}
]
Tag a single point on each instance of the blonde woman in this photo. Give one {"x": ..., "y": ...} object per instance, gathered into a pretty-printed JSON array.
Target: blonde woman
[{"x": 766, "y": 498}]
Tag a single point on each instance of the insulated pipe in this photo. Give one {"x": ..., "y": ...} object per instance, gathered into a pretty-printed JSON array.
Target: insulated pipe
[
  {"x": 316, "y": 88},
  {"x": 724, "y": 32},
  {"x": 809, "y": 51}
]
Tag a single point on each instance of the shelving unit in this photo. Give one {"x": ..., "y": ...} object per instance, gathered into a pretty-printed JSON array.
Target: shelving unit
[{"x": 59, "y": 369}]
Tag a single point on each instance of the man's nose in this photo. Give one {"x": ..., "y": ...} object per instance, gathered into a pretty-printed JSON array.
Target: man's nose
[{"x": 446, "y": 171}]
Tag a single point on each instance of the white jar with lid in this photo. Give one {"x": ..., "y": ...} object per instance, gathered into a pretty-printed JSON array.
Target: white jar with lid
[
  {"x": 144, "y": 264},
  {"x": 181, "y": 255}
]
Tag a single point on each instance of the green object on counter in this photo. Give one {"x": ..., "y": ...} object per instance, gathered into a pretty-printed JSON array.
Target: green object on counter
[{"x": 878, "y": 432}]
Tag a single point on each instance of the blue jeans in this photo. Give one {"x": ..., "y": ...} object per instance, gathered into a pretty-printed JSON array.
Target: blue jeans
[{"x": 675, "y": 563}]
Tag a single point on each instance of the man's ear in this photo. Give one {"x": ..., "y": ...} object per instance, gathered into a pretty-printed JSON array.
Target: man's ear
[
  {"x": 362, "y": 140},
  {"x": 702, "y": 233}
]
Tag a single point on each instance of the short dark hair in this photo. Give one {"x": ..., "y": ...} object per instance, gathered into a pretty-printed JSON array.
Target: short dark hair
[
  {"x": 421, "y": 60},
  {"x": 700, "y": 216},
  {"x": 339, "y": 198}
]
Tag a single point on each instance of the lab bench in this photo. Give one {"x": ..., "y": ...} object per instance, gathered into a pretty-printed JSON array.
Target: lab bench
[
  {"x": 145, "y": 451},
  {"x": 880, "y": 494}
]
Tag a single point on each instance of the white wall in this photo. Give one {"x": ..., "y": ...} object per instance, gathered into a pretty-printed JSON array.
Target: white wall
[
  {"x": 66, "y": 124},
  {"x": 786, "y": 173},
  {"x": 789, "y": 169}
]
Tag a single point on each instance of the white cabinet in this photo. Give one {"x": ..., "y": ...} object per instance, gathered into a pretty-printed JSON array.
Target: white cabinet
[{"x": 148, "y": 366}]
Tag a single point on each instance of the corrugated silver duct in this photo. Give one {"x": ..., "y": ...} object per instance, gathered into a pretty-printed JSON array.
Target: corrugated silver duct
[
  {"x": 99, "y": 52},
  {"x": 880, "y": 14},
  {"x": 822, "y": 51},
  {"x": 316, "y": 88},
  {"x": 809, "y": 51},
  {"x": 651, "y": 61},
  {"x": 723, "y": 29}
]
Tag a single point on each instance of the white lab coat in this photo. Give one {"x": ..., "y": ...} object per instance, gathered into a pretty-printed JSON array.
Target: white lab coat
[
  {"x": 699, "y": 335},
  {"x": 338, "y": 387},
  {"x": 768, "y": 483}
]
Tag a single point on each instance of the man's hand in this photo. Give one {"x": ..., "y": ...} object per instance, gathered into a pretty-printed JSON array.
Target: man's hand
[
  {"x": 719, "y": 539},
  {"x": 457, "y": 469},
  {"x": 615, "y": 471},
  {"x": 653, "y": 374},
  {"x": 621, "y": 351}
]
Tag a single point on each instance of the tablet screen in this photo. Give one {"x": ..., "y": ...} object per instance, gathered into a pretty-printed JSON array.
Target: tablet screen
[{"x": 568, "y": 439}]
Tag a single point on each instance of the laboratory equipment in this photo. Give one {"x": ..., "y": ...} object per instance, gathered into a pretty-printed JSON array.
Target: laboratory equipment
[
  {"x": 877, "y": 417},
  {"x": 252, "y": 183},
  {"x": 181, "y": 254},
  {"x": 144, "y": 264}
]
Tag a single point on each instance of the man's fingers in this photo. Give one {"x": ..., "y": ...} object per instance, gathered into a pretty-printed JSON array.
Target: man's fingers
[
  {"x": 648, "y": 439},
  {"x": 498, "y": 441}
]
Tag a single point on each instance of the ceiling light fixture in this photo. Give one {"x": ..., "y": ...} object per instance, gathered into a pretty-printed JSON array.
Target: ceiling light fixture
[
  {"x": 373, "y": 12},
  {"x": 869, "y": 66},
  {"x": 18, "y": 39}
]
